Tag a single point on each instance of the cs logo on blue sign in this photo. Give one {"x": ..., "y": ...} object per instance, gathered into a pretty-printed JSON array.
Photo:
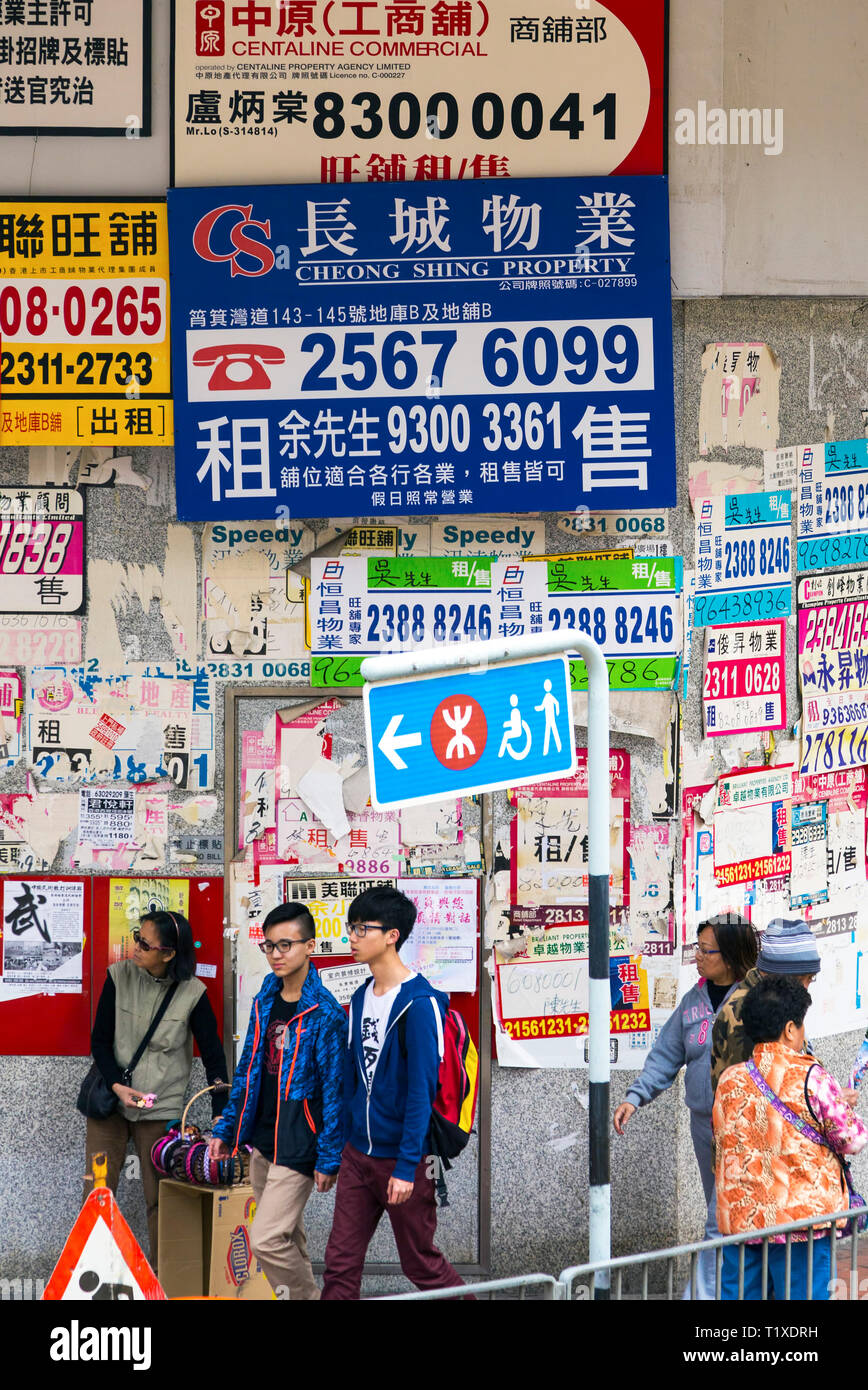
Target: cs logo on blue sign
[{"x": 227, "y": 227}]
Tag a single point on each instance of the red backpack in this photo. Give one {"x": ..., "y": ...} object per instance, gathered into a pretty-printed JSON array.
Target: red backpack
[{"x": 454, "y": 1108}]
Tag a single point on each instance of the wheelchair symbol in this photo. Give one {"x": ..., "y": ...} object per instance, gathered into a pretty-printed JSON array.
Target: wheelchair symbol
[{"x": 513, "y": 728}]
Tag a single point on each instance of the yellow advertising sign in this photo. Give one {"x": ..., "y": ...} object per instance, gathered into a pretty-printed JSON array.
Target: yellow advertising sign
[
  {"x": 84, "y": 323},
  {"x": 131, "y": 898}
]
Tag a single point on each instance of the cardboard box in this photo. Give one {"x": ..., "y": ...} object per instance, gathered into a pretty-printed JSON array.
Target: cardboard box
[{"x": 204, "y": 1236}]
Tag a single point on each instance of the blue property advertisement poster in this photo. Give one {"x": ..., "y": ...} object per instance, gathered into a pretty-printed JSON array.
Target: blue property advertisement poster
[{"x": 417, "y": 348}]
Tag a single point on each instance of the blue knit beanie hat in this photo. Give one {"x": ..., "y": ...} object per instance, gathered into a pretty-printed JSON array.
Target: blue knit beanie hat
[{"x": 788, "y": 948}]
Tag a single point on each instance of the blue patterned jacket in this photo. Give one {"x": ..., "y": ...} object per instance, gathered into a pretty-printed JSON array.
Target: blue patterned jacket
[{"x": 309, "y": 1127}]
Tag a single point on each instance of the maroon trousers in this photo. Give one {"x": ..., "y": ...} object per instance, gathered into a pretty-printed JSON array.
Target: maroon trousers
[{"x": 359, "y": 1203}]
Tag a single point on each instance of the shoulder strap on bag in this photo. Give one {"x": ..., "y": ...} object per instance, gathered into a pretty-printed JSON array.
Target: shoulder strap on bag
[
  {"x": 155, "y": 1023},
  {"x": 804, "y": 1128}
]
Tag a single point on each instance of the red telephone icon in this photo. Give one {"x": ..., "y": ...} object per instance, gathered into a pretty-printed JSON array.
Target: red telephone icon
[{"x": 238, "y": 366}]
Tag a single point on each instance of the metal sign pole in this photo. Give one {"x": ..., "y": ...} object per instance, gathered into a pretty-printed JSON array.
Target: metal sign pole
[
  {"x": 474, "y": 654},
  {"x": 599, "y": 1020}
]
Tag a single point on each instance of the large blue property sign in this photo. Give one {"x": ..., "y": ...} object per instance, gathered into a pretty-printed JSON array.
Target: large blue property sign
[{"x": 395, "y": 349}]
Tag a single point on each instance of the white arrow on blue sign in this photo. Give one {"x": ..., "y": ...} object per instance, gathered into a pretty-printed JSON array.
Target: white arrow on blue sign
[{"x": 467, "y": 731}]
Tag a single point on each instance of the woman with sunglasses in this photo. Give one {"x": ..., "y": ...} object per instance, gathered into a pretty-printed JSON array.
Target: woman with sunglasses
[
  {"x": 163, "y": 959},
  {"x": 726, "y": 950}
]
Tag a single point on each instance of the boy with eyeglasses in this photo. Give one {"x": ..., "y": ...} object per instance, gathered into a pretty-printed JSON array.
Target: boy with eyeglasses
[
  {"x": 286, "y": 1099},
  {"x": 390, "y": 1080}
]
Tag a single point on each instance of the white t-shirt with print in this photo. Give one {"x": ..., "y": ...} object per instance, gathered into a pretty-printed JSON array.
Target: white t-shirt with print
[{"x": 375, "y": 1021}]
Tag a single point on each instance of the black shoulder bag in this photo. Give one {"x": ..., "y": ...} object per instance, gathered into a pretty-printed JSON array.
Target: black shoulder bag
[{"x": 96, "y": 1099}]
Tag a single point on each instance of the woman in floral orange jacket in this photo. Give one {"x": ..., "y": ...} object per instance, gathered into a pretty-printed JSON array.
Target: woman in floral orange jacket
[{"x": 769, "y": 1168}]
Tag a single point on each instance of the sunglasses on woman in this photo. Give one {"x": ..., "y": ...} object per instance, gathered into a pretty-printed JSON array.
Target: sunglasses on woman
[{"x": 146, "y": 945}]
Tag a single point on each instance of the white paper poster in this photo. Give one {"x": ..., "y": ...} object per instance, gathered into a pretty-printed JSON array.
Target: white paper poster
[
  {"x": 107, "y": 817},
  {"x": 442, "y": 944},
  {"x": 43, "y": 935}
]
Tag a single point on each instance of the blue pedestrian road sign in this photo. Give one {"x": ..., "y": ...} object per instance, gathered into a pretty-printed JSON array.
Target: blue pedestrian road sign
[{"x": 470, "y": 730}]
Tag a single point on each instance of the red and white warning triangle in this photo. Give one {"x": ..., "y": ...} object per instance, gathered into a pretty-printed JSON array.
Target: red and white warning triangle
[{"x": 102, "y": 1260}]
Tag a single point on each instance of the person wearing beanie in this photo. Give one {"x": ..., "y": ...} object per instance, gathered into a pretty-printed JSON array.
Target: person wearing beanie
[{"x": 788, "y": 948}]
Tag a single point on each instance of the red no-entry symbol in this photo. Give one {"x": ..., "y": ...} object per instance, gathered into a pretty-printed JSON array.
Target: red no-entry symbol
[{"x": 458, "y": 732}]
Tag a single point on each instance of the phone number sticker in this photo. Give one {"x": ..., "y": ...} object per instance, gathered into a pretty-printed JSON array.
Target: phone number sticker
[
  {"x": 744, "y": 687},
  {"x": 385, "y": 354},
  {"x": 41, "y": 550},
  {"x": 743, "y": 558},
  {"x": 361, "y": 606},
  {"x": 833, "y": 669},
  {"x": 84, "y": 323},
  {"x": 832, "y": 492}
]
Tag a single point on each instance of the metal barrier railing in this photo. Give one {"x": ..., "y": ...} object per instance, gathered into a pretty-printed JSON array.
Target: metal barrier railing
[
  {"x": 549, "y": 1289},
  {"x": 610, "y": 1277},
  {"x": 611, "y": 1274}
]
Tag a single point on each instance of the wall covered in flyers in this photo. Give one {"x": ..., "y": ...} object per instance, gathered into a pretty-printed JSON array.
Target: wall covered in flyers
[{"x": 820, "y": 876}]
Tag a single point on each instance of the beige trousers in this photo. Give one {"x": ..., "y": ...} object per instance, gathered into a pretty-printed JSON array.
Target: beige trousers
[{"x": 277, "y": 1235}]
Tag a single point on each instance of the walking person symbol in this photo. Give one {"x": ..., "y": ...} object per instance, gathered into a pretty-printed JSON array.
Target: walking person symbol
[
  {"x": 512, "y": 729},
  {"x": 551, "y": 708}
]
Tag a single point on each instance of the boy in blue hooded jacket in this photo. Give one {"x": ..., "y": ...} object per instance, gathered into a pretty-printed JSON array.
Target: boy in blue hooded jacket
[
  {"x": 286, "y": 1099},
  {"x": 390, "y": 1081}
]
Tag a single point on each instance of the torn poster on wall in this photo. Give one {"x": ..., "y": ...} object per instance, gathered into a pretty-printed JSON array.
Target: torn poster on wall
[
  {"x": 16, "y": 854},
  {"x": 43, "y": 935},
  {"x": 41, "y": 550},
  {"x": 122, "y": 595},
  {"x": 719, "y": 477},
  {"x": 652, "y": 908},
  {"x": 837, "y": 992},
  {"x": 842, "y": 796},
  {"x": 809, "y": 880},
  {"x": 253, "y": 603},
  {"x": 745, "y": 683},
  {"x": 702, "y": 896},
  {"x": 37, "y": 639},
  {"x": 35, "y": 826},
  {"x": 11, "y": 713},
  {"x": 743, "y": 559},
  {"x": 752, "y": 821},
  {"x": 835, "y": 879},
  {"x": 107, "y": 816},
  {"x": 136, "y": 728},
  {"x": 442, "y": 945},
  {"x": 372, "y": 844},
  {"x": 144, "y": 850},
  {"x": 833, "y": 669},
  {"x": 541, "y": 1009},
  {"x": 549, "y": 837},
  {"x": 740, "y": 397},
  {"x": 832, "y": 516},
  {"x": 328, "y": 901},
  {"x": 529, "y": 932}
]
